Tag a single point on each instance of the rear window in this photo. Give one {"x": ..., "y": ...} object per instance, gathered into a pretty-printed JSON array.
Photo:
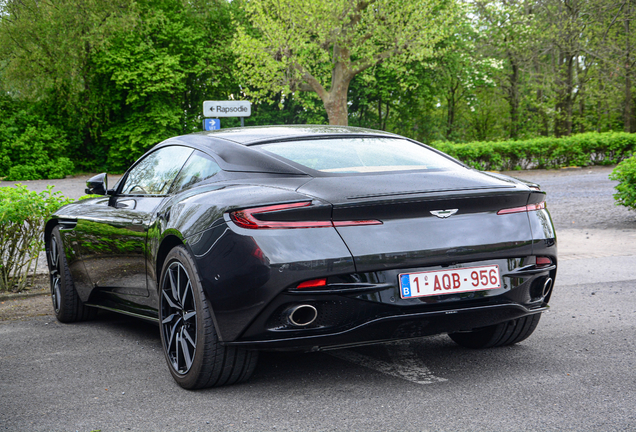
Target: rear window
[{"x": 359, "y": 155}]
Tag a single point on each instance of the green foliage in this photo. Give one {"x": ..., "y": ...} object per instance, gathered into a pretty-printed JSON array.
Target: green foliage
[
  {"x": 576, "y": 150},
  {"x": 31, "y": 148},
  {"x": 153, "y": 80},
  {"x": 104, "y": 80},
  {"x": 315, "y": 46},
  {"x": 625, "y": 174},
  {"x": 22, "y": 216}
]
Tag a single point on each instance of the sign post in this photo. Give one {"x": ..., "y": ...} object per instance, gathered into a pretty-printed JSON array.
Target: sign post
[
  {"x": 218, "y": 109},
  {"x": 211, "y": 124}
]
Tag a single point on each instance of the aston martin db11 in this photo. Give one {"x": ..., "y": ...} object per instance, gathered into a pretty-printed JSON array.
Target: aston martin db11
[{"x": 303, "y": 238}]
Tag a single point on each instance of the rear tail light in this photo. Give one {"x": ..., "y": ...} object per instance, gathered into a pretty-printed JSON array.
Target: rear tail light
[
  {"x": 526, "y": 208},
  {"x": 247, "y": 218}
]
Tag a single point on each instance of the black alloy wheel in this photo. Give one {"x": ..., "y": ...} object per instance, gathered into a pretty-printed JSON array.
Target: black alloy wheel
[
  {"x": 179, "y": 318},
  {"x": 55, "y": 274},
  {"x": 195, "y": 356},
  {"x": 66, "y": 303}
]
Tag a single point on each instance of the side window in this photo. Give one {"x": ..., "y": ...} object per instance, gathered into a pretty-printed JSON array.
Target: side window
[
  {"x": 154, "y": 174},
  {"x": 198, "y": 168}
]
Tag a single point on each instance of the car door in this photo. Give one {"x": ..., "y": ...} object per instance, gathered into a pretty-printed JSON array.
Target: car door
[{"x": 113, "y": 231}]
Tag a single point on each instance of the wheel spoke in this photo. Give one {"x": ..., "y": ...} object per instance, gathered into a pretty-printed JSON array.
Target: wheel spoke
[
  {"x": 169, "y": 300},
  {"x": 185, "y": 351},
  {"x": 58, "y": 295},
  {"x": 54, "y": 253},
  {"x": 188, "y": 337},
  {"x": 176, "y": 359},
  {"x": 187, "y": 289},
  {"x": 188, "y": 315},
  {"x": 173, "y": 332},
  {"x": 175, "y": 294},
  {"x": 168, "y": 319}
]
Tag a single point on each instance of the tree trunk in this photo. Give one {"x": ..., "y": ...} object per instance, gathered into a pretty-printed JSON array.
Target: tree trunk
[
  {"x": 336, "y": 106},
  {"x": 563, "y": 122},
  {"x": 513, "y": 98},
  {"x": 335, "y": 100},
  {"x": 451, "y": 109},
  {"x": 628, "y": 104}
]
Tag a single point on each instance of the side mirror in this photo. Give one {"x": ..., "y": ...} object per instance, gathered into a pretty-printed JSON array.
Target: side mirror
[{"x": 97, "y": 185}]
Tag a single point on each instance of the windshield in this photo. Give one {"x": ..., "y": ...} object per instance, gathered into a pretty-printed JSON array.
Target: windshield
[{"x": 359, "y": 155}]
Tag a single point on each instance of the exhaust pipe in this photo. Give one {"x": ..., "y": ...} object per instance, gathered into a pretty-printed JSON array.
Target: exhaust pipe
[
  {"x": 547, "y": 286},
  {"x": 302, "y": 315}
]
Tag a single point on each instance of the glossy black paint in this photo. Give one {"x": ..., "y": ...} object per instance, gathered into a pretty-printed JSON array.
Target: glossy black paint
[{"x": 116, "y": 244}]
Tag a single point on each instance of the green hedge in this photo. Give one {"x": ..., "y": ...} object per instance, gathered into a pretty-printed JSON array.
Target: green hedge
[
  {"x": 22, "y": 216},
  {"x": 34, "y": 153},
  {"x": 625, "y": 174},
  {"x": 576, "y": 150}
]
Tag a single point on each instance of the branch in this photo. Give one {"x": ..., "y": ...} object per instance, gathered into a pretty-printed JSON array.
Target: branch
[
  {"x": 613, "y": 21},
  {"x": 311, "y": 83},
  {"x": 305, "y": 87},
  {"x": 362, "y": 65}
]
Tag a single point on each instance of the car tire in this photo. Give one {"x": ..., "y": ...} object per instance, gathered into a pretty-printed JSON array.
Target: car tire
[
  {"x": 507, "y": 333},
  {"x": 195, "y": 356},
  {"x": 66, "y": 303}
]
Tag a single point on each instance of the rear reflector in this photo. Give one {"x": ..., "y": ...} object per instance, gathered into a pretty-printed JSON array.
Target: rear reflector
[
  {"x": 314, "y": 283},
  {"x": 543, "y": 261},
  {"x": 247, "y": 219},
  {"x": 527, "y": 208}
]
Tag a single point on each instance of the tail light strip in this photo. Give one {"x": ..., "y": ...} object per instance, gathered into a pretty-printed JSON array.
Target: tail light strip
[
  {"x": 527, "y": 208},
  {"x": 246, "y": 219}
]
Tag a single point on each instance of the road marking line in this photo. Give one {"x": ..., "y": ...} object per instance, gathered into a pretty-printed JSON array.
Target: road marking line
[
  {"x": 405, "y": 364},
  {"x": 588, "y": 256}
]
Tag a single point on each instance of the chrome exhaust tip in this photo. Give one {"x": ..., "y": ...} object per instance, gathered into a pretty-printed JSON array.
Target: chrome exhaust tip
[
  {"x": 301, "y": 315},
  {"x": 547, "y": 286}
]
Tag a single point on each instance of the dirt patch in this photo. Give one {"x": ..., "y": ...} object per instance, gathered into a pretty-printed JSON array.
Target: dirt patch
[
  {"x": 34, "y": 301},
  {"x": 25, "y": 308}
]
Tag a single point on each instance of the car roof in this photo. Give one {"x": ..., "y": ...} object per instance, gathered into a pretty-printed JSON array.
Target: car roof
[
  {"x": 259, "y": 134},
  {"x": 233, "y": 151}
]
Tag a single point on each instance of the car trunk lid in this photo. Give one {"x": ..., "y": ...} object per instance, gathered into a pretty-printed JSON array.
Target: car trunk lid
[{"x": 439, "y": 218}]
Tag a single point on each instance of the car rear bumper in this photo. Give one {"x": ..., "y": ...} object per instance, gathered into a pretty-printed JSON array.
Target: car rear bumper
[
  {"x": 399, "y": 327},
  {"x": 371, "y": 310}
]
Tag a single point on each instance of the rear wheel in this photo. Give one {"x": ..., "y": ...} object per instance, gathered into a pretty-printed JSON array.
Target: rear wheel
[
  {"x": 507, "y": 333},
  {"x": 66, "y": 303},
  {"x": 191, "y": 346}
]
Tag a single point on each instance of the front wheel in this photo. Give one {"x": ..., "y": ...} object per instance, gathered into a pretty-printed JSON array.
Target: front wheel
[
  {"x": 507, "y": 333},
  {"x": 191, "y": 346},
  {"x": 66, "y": 303}
]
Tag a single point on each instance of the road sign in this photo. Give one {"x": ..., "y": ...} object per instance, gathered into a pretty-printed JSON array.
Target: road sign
[
  {"x": 227, "y": 109},
  {"x": 211, "y": 124}
]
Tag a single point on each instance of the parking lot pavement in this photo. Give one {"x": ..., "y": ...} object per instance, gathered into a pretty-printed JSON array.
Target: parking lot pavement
[
  {"x": 72, "y": 187},
  {"x": 575, "y": 373}
]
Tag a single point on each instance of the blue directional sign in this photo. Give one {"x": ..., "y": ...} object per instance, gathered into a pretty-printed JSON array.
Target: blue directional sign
[{"x": 211, "y": 124}]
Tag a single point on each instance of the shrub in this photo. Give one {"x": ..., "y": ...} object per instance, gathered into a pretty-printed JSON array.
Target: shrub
[
  {"x": 22, "y": 216},
  {"x": 625, "y": 174},
  {"x": 35, "y": 154},
  {"x": 578, "y": 150}
]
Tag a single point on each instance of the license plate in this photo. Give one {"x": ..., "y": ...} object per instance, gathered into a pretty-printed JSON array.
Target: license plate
[{"x": 440, "y": 282}]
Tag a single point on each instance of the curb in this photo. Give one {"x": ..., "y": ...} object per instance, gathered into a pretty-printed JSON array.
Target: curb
[{"x": 27, "y": 294}]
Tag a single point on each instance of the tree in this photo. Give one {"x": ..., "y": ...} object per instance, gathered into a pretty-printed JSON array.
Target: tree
[
  {"x": 507, "y": 30},
  {"x": 320, "y": 46}
]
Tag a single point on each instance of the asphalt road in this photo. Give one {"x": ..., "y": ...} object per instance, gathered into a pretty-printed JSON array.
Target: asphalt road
[{"x": 577, "y": 372}]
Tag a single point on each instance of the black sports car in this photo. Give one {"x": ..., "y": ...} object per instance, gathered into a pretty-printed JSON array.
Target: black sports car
[{"x": 303, "y": 238}]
